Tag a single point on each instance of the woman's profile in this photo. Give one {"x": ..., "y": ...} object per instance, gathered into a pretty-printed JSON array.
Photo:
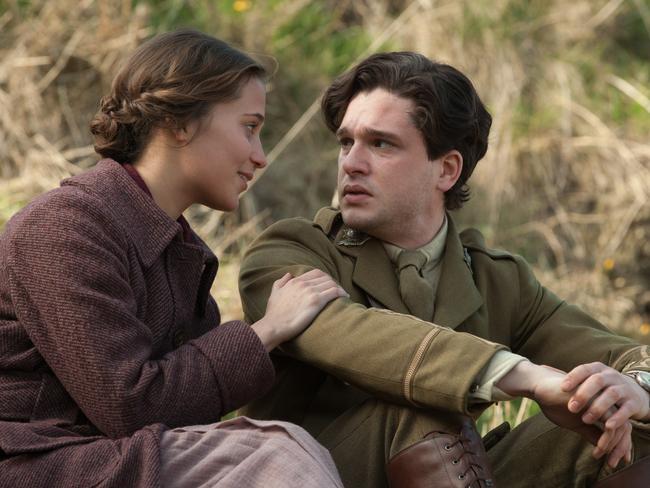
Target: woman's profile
[{"x": 114, "y": 367}]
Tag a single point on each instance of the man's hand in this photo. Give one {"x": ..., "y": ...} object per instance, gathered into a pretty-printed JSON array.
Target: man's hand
[
  {"x": 556, "y": 401},
  {"x": 600, "y": 388},
  {"x": 553, "y": 401},
  {"x": 602, "y": 394},
  {"x": 545, "y": 385}
]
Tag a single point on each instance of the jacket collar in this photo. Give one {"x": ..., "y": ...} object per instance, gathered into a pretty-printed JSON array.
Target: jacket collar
[
  {"x": 149, "y": 227},
  {"x": 457, "y": 296}
]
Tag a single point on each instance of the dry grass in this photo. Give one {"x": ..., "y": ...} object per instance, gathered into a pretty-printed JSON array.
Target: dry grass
[{"x": 566, "y": 181}]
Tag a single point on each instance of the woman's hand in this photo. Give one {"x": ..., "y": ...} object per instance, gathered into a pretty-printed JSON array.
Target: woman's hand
[{"x": 293, "y": 304}]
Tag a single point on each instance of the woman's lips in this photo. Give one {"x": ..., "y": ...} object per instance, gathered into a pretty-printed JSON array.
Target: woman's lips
[{"x": 245, "y": 178}]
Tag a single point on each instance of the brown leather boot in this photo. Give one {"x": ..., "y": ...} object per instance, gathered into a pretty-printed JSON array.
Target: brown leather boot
[
  {"x": 443, "y": 460},
  {"x": 636, "y": 475}
]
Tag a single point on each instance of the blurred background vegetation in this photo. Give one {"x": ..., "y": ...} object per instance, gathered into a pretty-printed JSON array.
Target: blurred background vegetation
[{"x": 566, "y": 182}]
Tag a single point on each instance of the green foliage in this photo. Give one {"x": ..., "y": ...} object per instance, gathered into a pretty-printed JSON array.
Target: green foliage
[
  {"x": 513, "y": 412},
  {"x": 8, "y": 207}
]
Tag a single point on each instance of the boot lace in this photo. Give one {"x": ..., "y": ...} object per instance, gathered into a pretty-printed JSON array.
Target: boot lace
[{"x": 473, "y": 467}]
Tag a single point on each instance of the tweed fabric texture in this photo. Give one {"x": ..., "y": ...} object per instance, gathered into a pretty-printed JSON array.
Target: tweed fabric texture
[{"x": 108, "y": 336}]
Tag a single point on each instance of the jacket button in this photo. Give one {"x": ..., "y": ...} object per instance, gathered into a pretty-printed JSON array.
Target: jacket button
[
  {"x": 179, "y": 338},
  {"x": 474, "y": 388}
]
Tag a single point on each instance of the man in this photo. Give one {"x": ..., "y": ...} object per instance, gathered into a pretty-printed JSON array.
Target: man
[{"x": 389, "y": 379}]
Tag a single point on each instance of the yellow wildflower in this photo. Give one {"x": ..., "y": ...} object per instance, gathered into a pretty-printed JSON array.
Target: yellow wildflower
[
  {"x": 608, "y": 264},
  {"x": 242, "y": 5}
]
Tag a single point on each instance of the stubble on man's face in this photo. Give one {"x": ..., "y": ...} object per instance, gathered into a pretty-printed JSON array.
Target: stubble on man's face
[{"x": 386, "y": 183}]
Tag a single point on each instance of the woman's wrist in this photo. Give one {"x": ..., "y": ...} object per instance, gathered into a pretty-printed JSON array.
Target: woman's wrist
[{"x": 267, "y": 334}]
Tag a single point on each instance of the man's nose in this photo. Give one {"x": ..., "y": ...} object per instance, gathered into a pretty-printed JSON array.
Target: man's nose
[{"x": 356, "y": 160}]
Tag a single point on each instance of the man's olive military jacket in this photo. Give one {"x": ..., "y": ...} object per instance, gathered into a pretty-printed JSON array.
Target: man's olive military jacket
[{"x": 368, "y": 345}]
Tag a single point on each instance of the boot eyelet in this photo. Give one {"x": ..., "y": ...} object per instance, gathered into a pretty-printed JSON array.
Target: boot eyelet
[
  {"x": 455, "y": 461},
  {"x": 447, "y": 447},
  {"x": 461, "y": 477}
]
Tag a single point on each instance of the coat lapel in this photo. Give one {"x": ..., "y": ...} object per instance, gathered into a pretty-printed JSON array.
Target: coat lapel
[
  {"x": 457, "y": 297},
  {"x": 373, "y": 271}
]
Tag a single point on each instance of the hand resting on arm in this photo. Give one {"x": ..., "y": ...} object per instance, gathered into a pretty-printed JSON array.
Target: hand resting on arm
[{"x": 293, "y": 304}]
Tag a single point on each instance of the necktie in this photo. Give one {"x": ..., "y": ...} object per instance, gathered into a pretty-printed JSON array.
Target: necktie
[{"x": 416, "y": 292}]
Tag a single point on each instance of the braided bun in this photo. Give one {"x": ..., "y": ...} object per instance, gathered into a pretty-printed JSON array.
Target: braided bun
[{"x": 170, "y": 80}]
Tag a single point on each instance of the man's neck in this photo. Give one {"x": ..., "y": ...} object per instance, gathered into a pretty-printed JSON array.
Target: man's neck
[{"x": 414, "y": 239}]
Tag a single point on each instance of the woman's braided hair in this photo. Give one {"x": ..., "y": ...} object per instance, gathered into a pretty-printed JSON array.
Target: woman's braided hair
[{"x": 170, "y": 80}]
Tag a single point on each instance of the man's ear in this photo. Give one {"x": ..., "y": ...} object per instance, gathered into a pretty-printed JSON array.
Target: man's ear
[{"x": 450, "y": 166}]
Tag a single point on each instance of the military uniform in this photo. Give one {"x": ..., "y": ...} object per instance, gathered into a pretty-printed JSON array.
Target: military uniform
[{"x": 367, "y": 379}]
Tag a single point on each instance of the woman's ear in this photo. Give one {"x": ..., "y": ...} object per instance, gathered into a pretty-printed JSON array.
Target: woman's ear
[
  {"x": 182, "y": 134},
  {"x": 450, "y": 167}
]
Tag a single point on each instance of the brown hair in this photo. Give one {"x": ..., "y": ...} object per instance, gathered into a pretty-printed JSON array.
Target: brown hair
[
  {"x": 448, "y": 111},
  {"x": 170, "y": 80}
]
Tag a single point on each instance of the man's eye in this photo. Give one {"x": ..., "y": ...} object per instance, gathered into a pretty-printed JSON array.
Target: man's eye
[
  {"x": 345, "y": 143},
  {"x": 381, "y": 144},
  {"x": 252, "y": 126}
]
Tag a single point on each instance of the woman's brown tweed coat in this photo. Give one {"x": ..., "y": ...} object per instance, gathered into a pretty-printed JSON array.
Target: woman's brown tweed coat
[{"x": 108, "y": 335}]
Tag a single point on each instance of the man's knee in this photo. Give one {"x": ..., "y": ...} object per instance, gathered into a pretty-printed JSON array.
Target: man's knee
[{"x": 385, "y": 426}]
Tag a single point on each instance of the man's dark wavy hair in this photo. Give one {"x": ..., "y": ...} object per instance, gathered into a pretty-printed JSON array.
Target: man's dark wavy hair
[{"x": 448, "y": 111}]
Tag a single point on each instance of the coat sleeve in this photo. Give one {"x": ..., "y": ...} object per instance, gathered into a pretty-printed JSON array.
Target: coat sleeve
[
  {"x": 394, "y": 356},
  {"x": 553, "y": 332},
  {"x": 69, "y": 281},
  {"x": 547, "y": 330}
]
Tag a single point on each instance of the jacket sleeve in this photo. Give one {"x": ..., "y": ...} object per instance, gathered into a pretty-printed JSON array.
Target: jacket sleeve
[
  {"x": 394, "y": 356},
  {"x": 550, "y": 331},
  {"x": 69, "y": 280},
  {"x": 553, "y": 332}
]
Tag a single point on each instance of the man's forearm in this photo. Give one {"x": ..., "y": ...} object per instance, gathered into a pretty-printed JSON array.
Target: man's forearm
[{"x": 520, "y": 380}]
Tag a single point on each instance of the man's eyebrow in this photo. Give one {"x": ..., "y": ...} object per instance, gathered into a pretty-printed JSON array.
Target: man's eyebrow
[
  {"x": 370, "y": 133},
  {"x": 342, "y": 131},
  {"x": 380, "y": 134},
  {"x": 257, "y": 115}
]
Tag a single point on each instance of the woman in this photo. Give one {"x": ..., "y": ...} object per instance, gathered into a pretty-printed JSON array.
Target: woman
[{"x": 109, "y": 342}]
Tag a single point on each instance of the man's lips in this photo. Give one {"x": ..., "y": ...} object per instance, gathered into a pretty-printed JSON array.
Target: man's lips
[
  {"x": 355, "y": 190},
  {"x": 355, "y": 194}
]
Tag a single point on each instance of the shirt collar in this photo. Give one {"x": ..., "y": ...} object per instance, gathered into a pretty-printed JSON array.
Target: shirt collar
[{"x": 433, "y": 250}]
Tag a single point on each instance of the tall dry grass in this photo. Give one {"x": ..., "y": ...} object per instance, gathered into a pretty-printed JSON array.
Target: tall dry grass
[{"x": 566, "y": 180}]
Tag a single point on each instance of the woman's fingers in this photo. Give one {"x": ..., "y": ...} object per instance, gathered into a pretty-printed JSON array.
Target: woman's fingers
[
  {"x": 279, "y": 283},
  {"x": 331, "y": 293},
  {"x": 318, "y": 281},
  {"x": 313, "y": 274}
]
